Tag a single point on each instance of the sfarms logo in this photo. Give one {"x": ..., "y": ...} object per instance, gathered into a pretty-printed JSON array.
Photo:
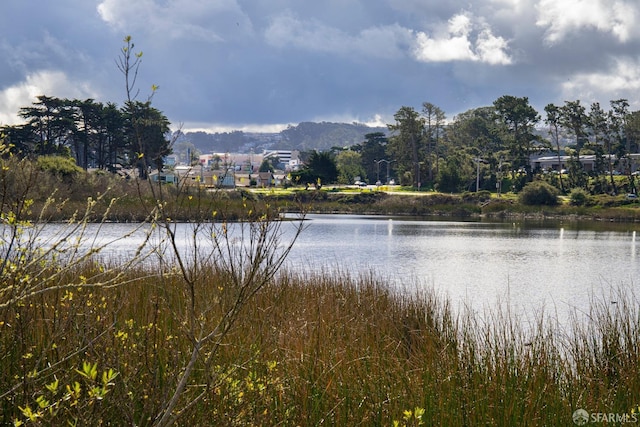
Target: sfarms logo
[{"x": 581, "y": 417}]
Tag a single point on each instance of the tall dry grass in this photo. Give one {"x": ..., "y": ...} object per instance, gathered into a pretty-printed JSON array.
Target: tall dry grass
[{"x": 314, "y": 349}]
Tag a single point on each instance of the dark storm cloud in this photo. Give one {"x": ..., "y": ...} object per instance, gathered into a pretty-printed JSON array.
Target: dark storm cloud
[{"x": 233, "y": 63}]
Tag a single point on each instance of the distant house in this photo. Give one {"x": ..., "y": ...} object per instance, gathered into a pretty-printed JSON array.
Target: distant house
[
  {"x": 242, "y": 179},
  {"x": 279, "y": 179},
  {"x": 164, "y": 177},
  {"x": 224, "y": 179},
  {"x": 265, "y": 179},
  {"x": 241, "y": 162},
  {"x": 190, "y": 175}
]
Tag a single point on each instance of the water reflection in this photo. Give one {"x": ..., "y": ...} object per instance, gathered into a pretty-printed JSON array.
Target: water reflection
[{"x": 540, "y": 264}]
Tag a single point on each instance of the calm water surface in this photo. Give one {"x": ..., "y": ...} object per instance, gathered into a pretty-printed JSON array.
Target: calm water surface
[
  {"x": 530, "y": 266},
  {"x": 553, "y": 266}
]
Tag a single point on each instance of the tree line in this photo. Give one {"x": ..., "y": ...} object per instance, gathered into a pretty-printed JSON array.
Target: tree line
[
  {"x": 486, "y": 147},
  {"x": 96, "y": 135}
]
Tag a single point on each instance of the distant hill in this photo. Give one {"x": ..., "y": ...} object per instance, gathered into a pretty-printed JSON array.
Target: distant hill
[
  {"x": 305, "y": 136},
  {"x": 322, "y": 136}
]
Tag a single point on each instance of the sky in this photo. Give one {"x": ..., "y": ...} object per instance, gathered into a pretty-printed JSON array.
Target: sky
[{"x": 260, "y": 65}]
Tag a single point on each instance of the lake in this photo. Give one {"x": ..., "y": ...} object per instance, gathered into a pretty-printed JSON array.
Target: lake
[{"x": 531, "y": 265}]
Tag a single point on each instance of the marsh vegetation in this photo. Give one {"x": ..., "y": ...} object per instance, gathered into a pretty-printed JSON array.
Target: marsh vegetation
[{"x": 229, "y": 337}]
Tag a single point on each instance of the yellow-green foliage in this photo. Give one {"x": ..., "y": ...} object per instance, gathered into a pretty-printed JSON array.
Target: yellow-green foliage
[
  {"x": 74, "y": 403},
  {"x": 64, "y": 167}
]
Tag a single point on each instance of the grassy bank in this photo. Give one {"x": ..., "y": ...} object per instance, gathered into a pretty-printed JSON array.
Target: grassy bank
[
  {"x": 308, "y": 349},
  {"x": 66, "y": 196}
]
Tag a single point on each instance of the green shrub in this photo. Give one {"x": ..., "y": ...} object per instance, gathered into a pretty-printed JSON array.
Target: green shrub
[
  {"x": 64, "y": 167},
  {"x": 579, "y": 197},
  {"x": 449, "y": 178},
  {"x": 539, "y": 193}
]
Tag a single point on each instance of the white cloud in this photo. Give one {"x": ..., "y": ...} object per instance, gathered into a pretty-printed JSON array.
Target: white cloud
[
  {"x": 511, "y": 4},
  {"x": 452, "y": 46},
  {"x": 456, "y": 44},
  {"x": 49, "y": 83},
  {"x": 561, "y": 18},
  {"x": 621, "y": 81},
  {"x": 126, "y": 15},
  {"x": 492, "y": 49},
  {"x": 378, "y": 120}
]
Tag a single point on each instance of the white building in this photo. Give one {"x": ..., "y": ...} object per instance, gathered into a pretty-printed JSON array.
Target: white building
[
  {"x": 588, "y": 161},
  {"x": 290, "y": 158}
]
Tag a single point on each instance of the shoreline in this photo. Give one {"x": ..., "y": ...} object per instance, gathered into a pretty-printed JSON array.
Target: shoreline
[{"x": 463, "y": 206}]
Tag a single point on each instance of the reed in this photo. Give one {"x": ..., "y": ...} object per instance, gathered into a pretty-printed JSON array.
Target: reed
[{"x": 312, "y": 349}]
